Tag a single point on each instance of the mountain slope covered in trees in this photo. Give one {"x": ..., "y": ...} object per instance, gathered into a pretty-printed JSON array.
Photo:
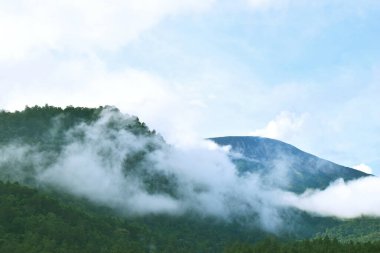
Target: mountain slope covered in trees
[
  {"x": 38, "y": 217},
  {"x": 49, "y": 156},
  {"x": 32, "y": 221}
]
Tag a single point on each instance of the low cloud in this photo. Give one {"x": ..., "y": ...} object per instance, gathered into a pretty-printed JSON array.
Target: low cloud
[
  {"x": 140, "y": 174},
  {"x": 30, "y": 28},
  {"x": 284, "y": 126},
  {"x": 342, "y": 199},
  {"x": 364, "y": 168}
]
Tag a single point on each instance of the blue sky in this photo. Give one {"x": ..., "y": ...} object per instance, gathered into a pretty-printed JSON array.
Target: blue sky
[{"x": 305, "y": 72}]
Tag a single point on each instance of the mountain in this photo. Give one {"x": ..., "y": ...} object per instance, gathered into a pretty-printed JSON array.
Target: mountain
[
  {"x": 50, "y": 130},
  {"x": 98, "y": 180},
  {"x": 283, "y": 164},
  {"x": 81, "y": 180}
]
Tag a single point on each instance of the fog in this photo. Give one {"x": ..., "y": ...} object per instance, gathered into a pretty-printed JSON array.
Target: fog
[
  {"x": 197, "y": 177},
  {"x": 342, "y": 199}
]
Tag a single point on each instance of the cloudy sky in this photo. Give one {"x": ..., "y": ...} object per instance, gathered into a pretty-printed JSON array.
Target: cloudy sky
[{"x": 303, "y": 71}]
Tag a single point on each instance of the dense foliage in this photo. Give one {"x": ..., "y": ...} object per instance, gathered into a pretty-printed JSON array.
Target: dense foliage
[
  {"x": 46, "y": 220},
  {"x": 34, "y": 222},
  {"x": 36, "y": 218},
  {"x": 31, "y": 221},
  {"x": 47, "y": 125},
  {"x": 363, "y": 229},
  {"x": 323, "y": 245}
]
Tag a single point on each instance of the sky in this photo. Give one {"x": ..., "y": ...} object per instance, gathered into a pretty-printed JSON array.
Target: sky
[{"x": 304, "y": 72}]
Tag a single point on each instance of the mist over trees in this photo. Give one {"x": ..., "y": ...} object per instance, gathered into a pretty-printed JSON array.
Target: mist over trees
[{"x": 97, "y": 180}]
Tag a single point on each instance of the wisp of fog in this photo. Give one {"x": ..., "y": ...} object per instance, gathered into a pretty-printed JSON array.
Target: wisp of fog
[{"x": 141, "y": 174}]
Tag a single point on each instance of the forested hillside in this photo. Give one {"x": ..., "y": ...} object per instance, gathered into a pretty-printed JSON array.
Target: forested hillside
[
  {"x": 322, "y": 245},
  {"x": 47, "y": 125},
  {"x": 365, "y": 229},
  {"x": 97, "y": 180},
  {"x": 37, "y": 217},
  {"x": 32, "y": 221}
]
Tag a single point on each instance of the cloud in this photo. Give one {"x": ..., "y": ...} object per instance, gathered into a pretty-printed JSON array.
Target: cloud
[
  {"x": 364, "y": 168},
  {"x": 174, "y": 179},
  {"x": 344, "y": 200},
  {"x": 57, "y": 53},
  {"x": 93, "y": 167},
  {"x": 81, "y": 26},
  {"x": 46, "y": 57},
  {"x": 66, "y": 82},
  {"x": 197, "y": 177},
  {"x": 88, "y": 82},
  {"x": 283, "y": 126},
  {"x": 350, "y": 5},
  {"x": 268, "y": 4}
]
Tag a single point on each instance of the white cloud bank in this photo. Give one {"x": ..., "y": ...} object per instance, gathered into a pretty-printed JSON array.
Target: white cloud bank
[
  {"x": 202, "y": 177},
  {"x": 268, "y": 4},
  {"x": 88, "y": 82},
  {"x": 29, "y": 27},
  {"x": 54, "y": 52},
  {"x": 364, "y": 168},
  {"x": 94, "y": 166},
  {"x": 61, "y": 53},
  {"x": 345, "y": 200},
  {"x": 284, "y": 126}
]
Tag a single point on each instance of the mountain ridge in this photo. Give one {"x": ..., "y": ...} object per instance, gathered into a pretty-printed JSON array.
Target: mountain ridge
[
  {"x": 262, "y": 155},
  {"x": 100, "y": 133}
]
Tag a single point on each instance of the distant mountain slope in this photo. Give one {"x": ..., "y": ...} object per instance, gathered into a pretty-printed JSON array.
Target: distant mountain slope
[
  {"x": 283, "y": 164},
  {"x": 68, "y": 151},
  {"x": 115, "y": 160}
]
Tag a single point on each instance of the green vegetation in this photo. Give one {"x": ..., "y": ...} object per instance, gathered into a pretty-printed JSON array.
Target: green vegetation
[
  {"x": 32, "y": 221},
  {"x": 39, "y": 218},
  {"x": 47, "y": 125},
  {"x": 47, "y": 130},
  {"x": 322, "y": 245},
  {"x": 363, "y": 229},
  {"x": 36, "y": 218}
]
